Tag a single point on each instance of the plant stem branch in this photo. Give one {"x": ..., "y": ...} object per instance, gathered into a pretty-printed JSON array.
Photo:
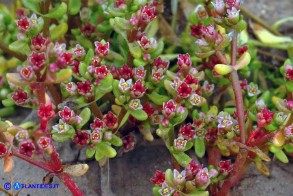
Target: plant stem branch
[
  {"x": 55, "y": 94},
  {"x": 71, "y": 185},
  {"x": 237, "y": 90},
  {"x": 239, "y": 168},
  {"x": 96, "y": 110},
  {"x": 30, "y": 160},
  {"x": 171, "y": 137},
  {"x": 5, "y": 49},
  {"x": 236, "y": 86},
  {"x": 45, "y": 9}
]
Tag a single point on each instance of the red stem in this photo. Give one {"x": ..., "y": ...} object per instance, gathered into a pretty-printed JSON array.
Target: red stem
[
  {"x": 214, "y": 157},
  {"x": 96, "y": 110},
  {"x": 239, "y": 168},
  {"x": 237, "y": 90},
  {"x": 57, "y": 166},
  {"x": 236, "y": 87},
  {"x": 71, "y": 185},
  {"x": 30, "y": 160}
]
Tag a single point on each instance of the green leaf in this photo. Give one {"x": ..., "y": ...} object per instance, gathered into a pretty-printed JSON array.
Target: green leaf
[
  {"x": 169, "y": 177},
  {"x": 159, "y": 49},
  {"x": 85, "y": 116},
  {"x": 58, "y": 31},
  {"x": 167, "y": 85},
  {"x": 288, "y": 148},
  {"x": 135, "y": 50},
  {"x": 57, "y": 12},
  {"x": 115, "y": 88},
  {"x": 82, "y": 68},
  {"x": 182, "y": 158},
  {"x": 7, "y": 111},
  {"x": 124, "y": 119},
  {"x": 139, "y": 62},
  {"x": 158, "y": 99},
  {"x": 198, "y": 193},
  {"x": 85, "y": 42},
  {"x": 90, "y": 152},
  {"x": 33, "y": 5},
  {"x": 179, "y": 119},
  {"x": 60, "y": 138},
  {"x": 63, "y": 75},
  {"x": 116, "y": 141},
  {"x": 8, "y": 102},
  {"x": 20, "y": 46},
  {"x": 99, "y": 155},
  {"x": 89, "y": 56},
  {"x": 74, "y": 6},
  {"x": 138, "y": 114},
  {"x": 152, "y": 28},
  {"x": 289, "y": 86},
  {"x": 107, "y": 150},
  {"x": 281, "y": 156},
  {"x": 156, "y": 191},
  {"x": 104, "y": 86},
  {"x": 199, "y": 147}
]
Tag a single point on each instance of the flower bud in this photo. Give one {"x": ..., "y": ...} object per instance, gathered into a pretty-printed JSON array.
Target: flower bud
[
  {"x": 289, "y": 131},
  {"x": 180, "y": 143},
  {"x": 209, "y": 33},
  {"x": 260, "y": 104},
  {"x": 202, "y": 177},
  {"x": 279, "y": 118},
  {"x": 219, "y": 6},
  {"x": 179, "y": 178},
  {"x": 233, "y": 15}
]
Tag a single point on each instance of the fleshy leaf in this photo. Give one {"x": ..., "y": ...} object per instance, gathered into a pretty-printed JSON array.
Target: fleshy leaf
[
  {"x": 158, "y": 99},
  {"x": 63, "y": 75},
  {"x": 199, "y": 147},
  {"x": 223, "y": 69},
  {"x": 85, "y": 116},
  {"x": 243, "y": 61},
  {"x": 85, "y": 42},
  {"x": 20, "y": 46},
  {"x": 57, "y": 12},
  {"x": 145, "y": 130},
  {"x": 90, "y": 152},
  {"x": 124, "y": 119},
  {"x": 182, "y": 158},
  {"x": 169, "y": 177},
  {"x": 58, "y": 31},
  {"x": 107, "y": 150},
  {"x": 135, "y": 50},
  {"x": 33, "y": 5},
  {"x": 74, "y": 6},
  {"x": 198, "y": 193},
  {"x": 116, "y": 141},
  {"x": 180, "y": 118},
  {"x": 288, "y": 148},
  {"x": 281, "y": 156},
  {"x": 262, "y": 168},
  {"x": 138, "y": 114}
]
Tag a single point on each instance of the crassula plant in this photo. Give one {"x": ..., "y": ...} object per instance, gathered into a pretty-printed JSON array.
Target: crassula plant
[{"x": 96, "y": 71}]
